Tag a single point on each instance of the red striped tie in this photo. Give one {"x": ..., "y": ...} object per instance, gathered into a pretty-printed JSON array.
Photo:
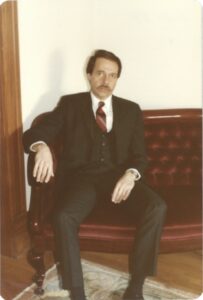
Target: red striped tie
[{"x": 101, "y": 117}]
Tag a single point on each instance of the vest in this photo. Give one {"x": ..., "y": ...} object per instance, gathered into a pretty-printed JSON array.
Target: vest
[{"x": 103, "y": 153}]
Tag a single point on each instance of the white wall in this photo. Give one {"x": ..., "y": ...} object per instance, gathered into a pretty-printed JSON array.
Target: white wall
[{"x": 158, "y": 41}]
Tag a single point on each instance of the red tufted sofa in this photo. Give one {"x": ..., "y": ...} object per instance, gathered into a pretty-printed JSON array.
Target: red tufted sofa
[{"x": 173, "y": 141}]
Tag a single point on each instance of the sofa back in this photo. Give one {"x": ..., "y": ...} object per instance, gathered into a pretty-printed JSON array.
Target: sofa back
[
  {"x": 174, "y": 147},
  {"x": 173, "y": 140}
]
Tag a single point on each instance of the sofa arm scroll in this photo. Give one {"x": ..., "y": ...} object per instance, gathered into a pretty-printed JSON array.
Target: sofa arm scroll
[{"x": 42, "y": 196}]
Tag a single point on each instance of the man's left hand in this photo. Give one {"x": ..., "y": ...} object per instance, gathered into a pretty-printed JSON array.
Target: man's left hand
[{"x": 123, "y": 188}]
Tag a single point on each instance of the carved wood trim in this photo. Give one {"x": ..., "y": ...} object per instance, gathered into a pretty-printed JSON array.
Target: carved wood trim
[{"x": 14, "y": 237}]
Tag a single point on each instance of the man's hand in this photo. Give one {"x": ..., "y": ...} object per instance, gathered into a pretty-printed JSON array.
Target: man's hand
[
  {"x": 43, "y": 168},
  {"x": 123, "y": 188}
]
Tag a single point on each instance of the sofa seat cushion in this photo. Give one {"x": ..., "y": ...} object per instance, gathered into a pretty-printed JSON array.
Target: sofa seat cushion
[
  {"x": 108, "y": 229},
  {"x": 182, "y": 199},
  {"x": 186, "y": 226}
]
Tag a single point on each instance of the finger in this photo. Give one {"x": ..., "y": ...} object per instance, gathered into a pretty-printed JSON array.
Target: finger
[
  {"x": 39, "y": 174},
  {"x": 119, "y": 195},
  {"x": 128, "y": 191},
  {"x": 123, "y": 194},
  {"x": 115, "y": 194},
  {"x": 47, "y": 177},
  {"x": 49, "y": 174},
  {"x": 36, "y": 166},
  {"x": 45, "y": 173},
  {"x": 126, "y": 195}
]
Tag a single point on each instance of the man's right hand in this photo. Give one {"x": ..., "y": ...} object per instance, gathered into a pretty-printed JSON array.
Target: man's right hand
[{"x": 43, "y": 168}]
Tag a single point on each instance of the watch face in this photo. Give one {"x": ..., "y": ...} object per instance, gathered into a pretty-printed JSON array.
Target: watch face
[{"x": 135, "y": 173}]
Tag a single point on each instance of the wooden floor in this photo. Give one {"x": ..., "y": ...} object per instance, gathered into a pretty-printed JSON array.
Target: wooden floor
[{"x": 179, "y": 270}]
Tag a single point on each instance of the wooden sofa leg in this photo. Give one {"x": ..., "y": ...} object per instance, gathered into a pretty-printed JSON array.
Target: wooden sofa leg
[{"x": 37, "y": 261}]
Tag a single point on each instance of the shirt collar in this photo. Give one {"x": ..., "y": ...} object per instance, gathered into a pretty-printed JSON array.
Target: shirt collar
[{"x": 107, "y": 101}]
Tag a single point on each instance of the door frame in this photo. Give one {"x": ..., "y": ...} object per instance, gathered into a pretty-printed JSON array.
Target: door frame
[{"x": 14, "y": 235}]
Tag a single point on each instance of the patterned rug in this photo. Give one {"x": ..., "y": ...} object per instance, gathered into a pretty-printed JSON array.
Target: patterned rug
[{"x": 102, "y": 283}]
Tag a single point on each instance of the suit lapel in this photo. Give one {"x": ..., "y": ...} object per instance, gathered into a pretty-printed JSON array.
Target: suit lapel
[
  {"x": 119, "y": 120},
  {"x": 88, "y": 115}
]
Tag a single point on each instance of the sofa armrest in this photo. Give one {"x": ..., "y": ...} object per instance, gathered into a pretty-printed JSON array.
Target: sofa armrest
[{"x": 42, "y": 197}]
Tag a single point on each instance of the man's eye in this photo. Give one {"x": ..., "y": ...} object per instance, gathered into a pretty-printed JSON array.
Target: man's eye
[{"x": 114, "y": 76}]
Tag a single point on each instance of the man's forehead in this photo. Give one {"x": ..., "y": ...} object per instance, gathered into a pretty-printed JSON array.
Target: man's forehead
[{"x": 106, "y": 64}]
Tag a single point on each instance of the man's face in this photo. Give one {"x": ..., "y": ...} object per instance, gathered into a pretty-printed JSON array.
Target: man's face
[{"x": 103, "y": 78}]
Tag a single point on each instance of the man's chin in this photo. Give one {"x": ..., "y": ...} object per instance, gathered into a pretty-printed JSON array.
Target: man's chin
[{"x": 103, "y": 95}]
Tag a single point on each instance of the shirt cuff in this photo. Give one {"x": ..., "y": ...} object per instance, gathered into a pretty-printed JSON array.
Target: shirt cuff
[
  {"x": 35, "y": 144},
  {"x": 134, "y": 172}
]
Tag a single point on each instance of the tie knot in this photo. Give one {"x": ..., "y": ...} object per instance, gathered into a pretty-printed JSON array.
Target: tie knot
[{"x": 101, "y": 104}]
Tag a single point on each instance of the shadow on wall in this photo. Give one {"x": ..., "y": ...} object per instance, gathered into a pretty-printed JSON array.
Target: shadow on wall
[{"x": 48, "y": 100}]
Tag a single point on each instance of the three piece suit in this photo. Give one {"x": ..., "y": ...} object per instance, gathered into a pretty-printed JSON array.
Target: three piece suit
[{"x": 90, "y": 166}]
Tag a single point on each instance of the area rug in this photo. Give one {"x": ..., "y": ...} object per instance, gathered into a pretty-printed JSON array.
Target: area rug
[{"x": 102, "y": 283}]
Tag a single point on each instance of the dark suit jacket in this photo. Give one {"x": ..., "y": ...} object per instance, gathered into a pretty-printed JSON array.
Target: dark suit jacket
[{"x": 73, "y": 116}]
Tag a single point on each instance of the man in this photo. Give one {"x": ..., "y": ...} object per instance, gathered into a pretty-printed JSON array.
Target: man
[{"x": 104, "y": 154}]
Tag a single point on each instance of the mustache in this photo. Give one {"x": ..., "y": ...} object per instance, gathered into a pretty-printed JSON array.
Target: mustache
[{"x": 104, "y": 86}]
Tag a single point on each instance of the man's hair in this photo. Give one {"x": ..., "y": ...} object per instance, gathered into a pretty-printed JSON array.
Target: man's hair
[{"x": 102, "y": 54}]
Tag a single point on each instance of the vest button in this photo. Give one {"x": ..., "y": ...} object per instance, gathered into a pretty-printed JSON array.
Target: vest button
[{"x": 102, "y": 159}]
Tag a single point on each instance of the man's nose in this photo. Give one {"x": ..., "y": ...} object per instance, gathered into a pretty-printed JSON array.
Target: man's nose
[{"x": 106, "y": 80}]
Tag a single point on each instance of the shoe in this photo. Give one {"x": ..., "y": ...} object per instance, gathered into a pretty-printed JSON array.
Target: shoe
[
  {"x": 78, "y": 293},
  {"x": 74, "y": 298},
  {"x": 78, "y": 298}
]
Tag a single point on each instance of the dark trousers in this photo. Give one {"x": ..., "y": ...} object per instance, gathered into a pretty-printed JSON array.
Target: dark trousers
[{"x": 82, "y": 195}]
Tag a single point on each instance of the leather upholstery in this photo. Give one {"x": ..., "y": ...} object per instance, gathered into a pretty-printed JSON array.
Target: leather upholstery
[
  {"x": 174, "y": 149},
  {"x": 173, "y": 141}
]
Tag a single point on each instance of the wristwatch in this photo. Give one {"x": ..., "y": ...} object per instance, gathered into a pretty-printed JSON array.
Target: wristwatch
[{"x": 135, "y": 173}]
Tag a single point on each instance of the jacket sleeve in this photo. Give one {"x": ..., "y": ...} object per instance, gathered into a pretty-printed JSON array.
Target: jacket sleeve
[
  {"x": 47, "y": 129},
  {"x": 138, "y": 156}
]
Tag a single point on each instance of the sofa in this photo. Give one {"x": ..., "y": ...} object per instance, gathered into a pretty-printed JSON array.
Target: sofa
[{"x": 174, "y": 149}]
